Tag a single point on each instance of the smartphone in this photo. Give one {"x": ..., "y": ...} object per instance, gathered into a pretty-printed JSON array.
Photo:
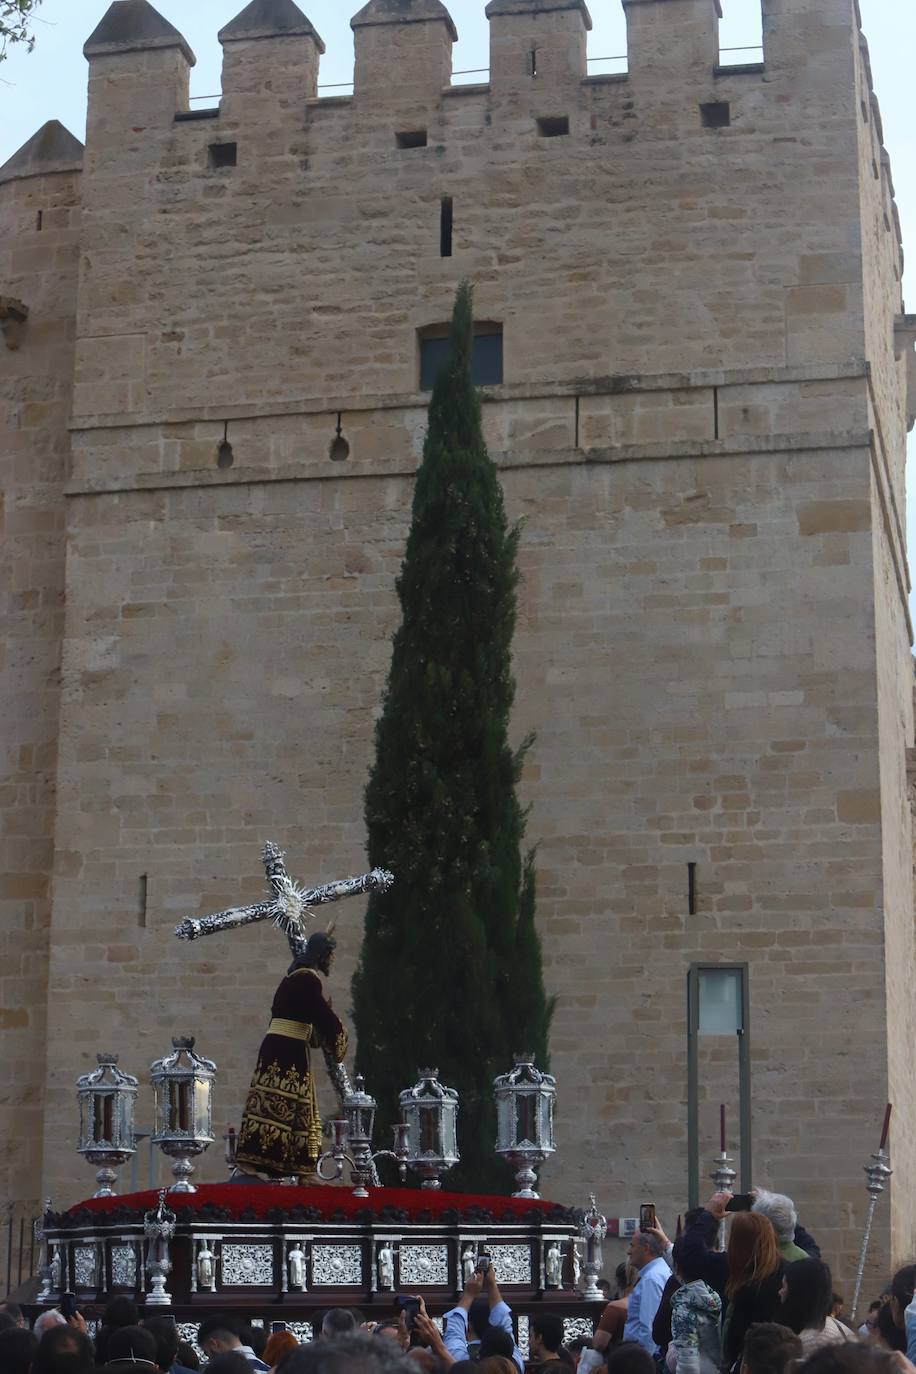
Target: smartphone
[
  {"x": 741, "y": 1202},
  {"x": 277, "y": 1326},
  {"x": 484, "y": 1261},
  {"x": 411, "y": 1310},
  {"x": 67, "y": 1305},
  {"x": 646, "y": 1216}
]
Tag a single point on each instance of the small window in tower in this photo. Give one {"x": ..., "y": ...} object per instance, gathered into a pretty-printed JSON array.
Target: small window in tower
[
  {"x": 224, "y": 154},
  {"x": 487, "y": 361},
  {"x": 40, "y": 220},
  {"x": 554, "y": 127},
  {"x": 716, "y": 114},
  {"x": 412, "y": 138}
]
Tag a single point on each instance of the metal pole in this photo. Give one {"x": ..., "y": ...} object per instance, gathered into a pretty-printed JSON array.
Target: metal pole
[
  {"x": 9, "y": 1245},
  {"x": 744, "y": 1082},
  {"x": 693, "y": 1131},
  {"x": 32, "y": 1247},
  {"x": 877, "y": 1175},
  {"x": 21, "y": 1250}
]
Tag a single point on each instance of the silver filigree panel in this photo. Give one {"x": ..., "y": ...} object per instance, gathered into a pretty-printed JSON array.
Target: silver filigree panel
[
  {"x": 523, "y": 1337},
  {"x": 247, "y": 1265},
  {"x": 578, "y": 1326},
  {"x": 512, "y": 1263},
  {"x": 340, "y": 1264},
  {"x": 124, "y": 1266},
  {"x": 187, "y": 1331},
  {"x": 302, "y": 1331},
  {"x": 84, "y": 1266},
  {"x": 423, "y": 1265}
]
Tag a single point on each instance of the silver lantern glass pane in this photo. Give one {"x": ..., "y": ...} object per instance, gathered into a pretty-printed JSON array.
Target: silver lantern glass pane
[
  {"x": 203, "y": 1104},
  {"x": 526, "y": 1119}
]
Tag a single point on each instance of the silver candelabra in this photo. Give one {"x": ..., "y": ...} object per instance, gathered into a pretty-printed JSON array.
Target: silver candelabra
[{"x": 352, "y": 1144}]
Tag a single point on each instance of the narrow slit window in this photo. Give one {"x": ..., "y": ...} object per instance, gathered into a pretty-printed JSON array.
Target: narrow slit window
[
  {"x": 40, "y": 220},
  {"x": 716, "y": 114},
  {"x": 143, "y": 901},
  {"x": 446, "y": 226},
  {"x": 554, "y": 126},
  {"x": 412, "y": 138},
  {"x": 224, "y": 154}
]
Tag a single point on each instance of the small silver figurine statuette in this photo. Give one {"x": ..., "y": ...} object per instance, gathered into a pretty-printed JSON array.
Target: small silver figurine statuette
[
  {"x": 386, "y": 1266},
  {"x": 553, "y": 1263},
  {"x": 575, "y": 1259},
  {"x": 296, "y": 1265},
  {"x": 468, "y": 1262},
  {"x": 206, "y": 1269}
]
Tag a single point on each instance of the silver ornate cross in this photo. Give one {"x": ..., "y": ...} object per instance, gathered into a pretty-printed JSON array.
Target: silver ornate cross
[{"x": 288, "y": 904}]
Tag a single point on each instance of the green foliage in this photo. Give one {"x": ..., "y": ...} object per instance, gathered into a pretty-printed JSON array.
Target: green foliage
[
  {"x": 15, "y": 23},
  {"x": 450, "y": 970}
]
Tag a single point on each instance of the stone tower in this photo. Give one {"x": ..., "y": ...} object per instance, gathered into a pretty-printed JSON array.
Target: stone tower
[
  {"x": 688, "y": 283},
  {"x": 39, "y": 244}
]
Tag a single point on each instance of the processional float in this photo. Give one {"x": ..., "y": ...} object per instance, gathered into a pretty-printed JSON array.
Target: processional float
[{"x": 289, "y": 1251}]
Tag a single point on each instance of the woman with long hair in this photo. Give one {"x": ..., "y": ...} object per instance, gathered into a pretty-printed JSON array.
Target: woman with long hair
[
  {"x": 807, "y": 1294},
  {"x": 892, "y": 1317},
  {"x": 754, "y": 1279}
]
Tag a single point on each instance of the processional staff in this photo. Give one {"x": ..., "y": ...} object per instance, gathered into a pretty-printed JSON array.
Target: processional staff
[
  {"x": 877, "y": 1175},
  {"x": 288, "y": 906}
]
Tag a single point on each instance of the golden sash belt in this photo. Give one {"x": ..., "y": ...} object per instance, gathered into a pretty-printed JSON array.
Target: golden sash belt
[{"x": 296, "y": 1030}]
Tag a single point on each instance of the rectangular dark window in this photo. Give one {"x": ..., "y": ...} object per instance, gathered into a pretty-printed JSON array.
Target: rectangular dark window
[
  {"x": 224, "y": 154},
  {"x": 717, "y": 114},
  {"x": 555, "y": 127},
  {"x": 412, "y": 138},
  {"x": 446, "y": 225},
  {"x": 487, "y": 362}
]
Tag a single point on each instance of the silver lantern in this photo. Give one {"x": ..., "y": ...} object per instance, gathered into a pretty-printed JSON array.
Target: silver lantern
[
  {"x": 430, "y": 1112},
  {"x": 183, "y": 1085},
  {"x": 107, "y": 1098},
  {"x": 525, "y": 1102}
]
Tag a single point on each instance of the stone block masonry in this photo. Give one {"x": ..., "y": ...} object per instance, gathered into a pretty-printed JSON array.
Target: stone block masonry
[{"x": 702, "y": 421}]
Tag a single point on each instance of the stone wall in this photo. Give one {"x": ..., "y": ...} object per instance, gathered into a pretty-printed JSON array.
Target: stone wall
[
  {"x": 39, "y": 237},
  {"x": 712, "y": 647}
]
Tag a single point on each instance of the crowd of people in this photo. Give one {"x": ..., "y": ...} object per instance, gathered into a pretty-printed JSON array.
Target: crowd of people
[{"x": 763, "y": 1303}]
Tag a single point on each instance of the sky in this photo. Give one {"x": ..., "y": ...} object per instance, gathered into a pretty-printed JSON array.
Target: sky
[{"x": 50, "y": 82}]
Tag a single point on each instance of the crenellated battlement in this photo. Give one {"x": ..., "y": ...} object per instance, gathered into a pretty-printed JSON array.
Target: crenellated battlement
[{"x": 403, "y": 48}]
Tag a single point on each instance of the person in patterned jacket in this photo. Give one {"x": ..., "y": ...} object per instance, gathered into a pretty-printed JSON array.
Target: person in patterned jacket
[{"x": 280, "y": 1136}]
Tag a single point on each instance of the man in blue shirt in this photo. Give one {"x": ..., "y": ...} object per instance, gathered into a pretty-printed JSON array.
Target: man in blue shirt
[
  {"x": 647, "y": 1254},
  {"x": 456, "y": 1321}
]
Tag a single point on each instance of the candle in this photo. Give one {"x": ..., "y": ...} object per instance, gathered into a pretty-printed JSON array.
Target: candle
[
  {"x": 722, "y": 1128},
  {"x": 886, "y": 1127}
]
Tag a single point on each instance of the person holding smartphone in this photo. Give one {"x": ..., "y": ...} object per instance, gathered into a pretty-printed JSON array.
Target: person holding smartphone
[{"x": 497, "y": 1337}]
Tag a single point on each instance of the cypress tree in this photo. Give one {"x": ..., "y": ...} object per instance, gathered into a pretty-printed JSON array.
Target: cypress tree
[{"x": 450, "y": 968}]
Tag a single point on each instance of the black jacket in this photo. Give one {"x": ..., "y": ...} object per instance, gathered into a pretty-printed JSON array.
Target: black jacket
[{"x": 755, "y": 1302}]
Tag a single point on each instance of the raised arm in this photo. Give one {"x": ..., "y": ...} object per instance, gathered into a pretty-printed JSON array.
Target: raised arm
[{"x": 501, "y": 1314}]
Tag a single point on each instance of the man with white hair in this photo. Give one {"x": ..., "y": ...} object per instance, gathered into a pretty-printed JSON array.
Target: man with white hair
[
  {"x": 47, "y": 1320},
  {"x": 780, "y": 1212}
]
